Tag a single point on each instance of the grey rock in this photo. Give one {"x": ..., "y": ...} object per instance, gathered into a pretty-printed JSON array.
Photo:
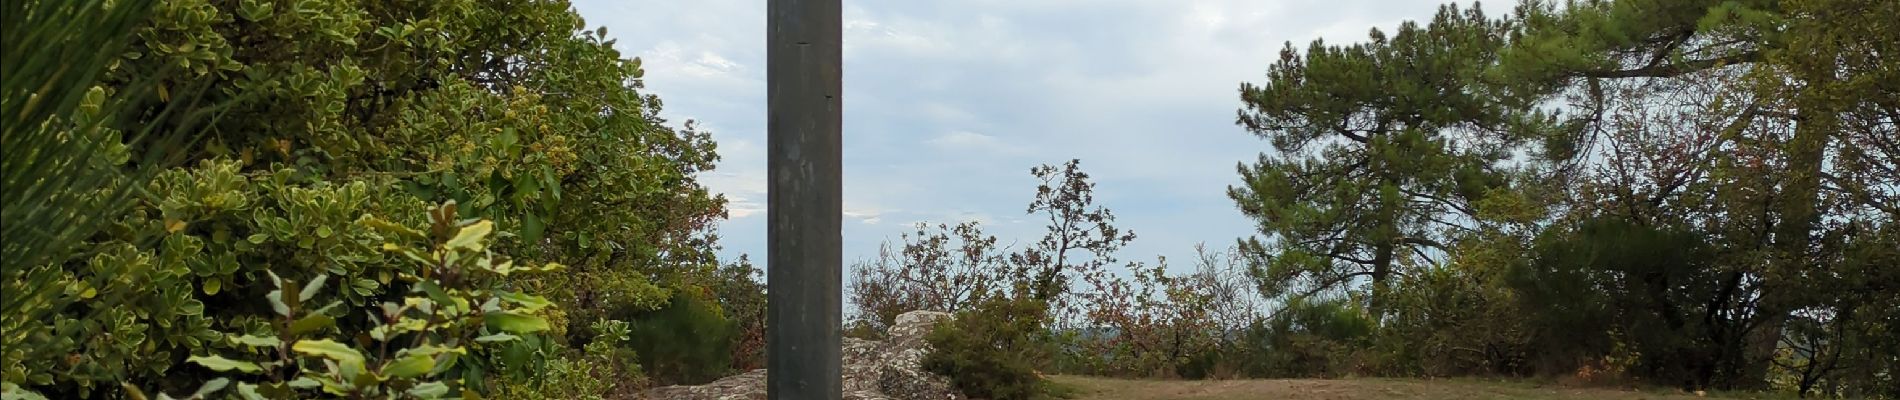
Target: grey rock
[
  {"x": 902, "y": 375},
  {"x": 888, "y": 370},
  {"x": 746, "y": 386}
]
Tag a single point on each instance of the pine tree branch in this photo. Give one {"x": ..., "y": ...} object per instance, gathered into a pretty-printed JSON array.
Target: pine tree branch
[{"x": 1673, "y": 70}]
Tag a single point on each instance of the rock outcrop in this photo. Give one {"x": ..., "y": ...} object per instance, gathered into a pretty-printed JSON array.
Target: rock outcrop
[{"x": 888, "y": 370}]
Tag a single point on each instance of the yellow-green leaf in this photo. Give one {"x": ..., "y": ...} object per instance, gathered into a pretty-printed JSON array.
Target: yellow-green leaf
[
  {"x": 248, "y": 391},
  {"x": 312, "y": 289},
  {"x": 131, "y": 391},
  {"x": 411, "y": 366},
  {"x": 11, "y": 391},
  {"x": 470, "y": 237},
  {"x": 257, "y": 341},
  {"x": 513, "y": 322},
  {"x": 528, "y": 303},
  {"x": 429, "y": 390},
  {"x": 330, "y": 349},
  {"x": 211, "y": 386},
  {"x": 221, "y": 364},
  {"x": 499, "y": 337},
  {"x": 391, "y": 227},
  {"x": 311, "y": 324},
  {"x": 304, "y": 382}
]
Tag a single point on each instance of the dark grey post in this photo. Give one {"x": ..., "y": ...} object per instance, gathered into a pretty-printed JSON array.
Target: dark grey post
[{"x": 804, "y": 207}]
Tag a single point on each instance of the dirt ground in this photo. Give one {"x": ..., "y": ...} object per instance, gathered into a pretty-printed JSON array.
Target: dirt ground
[{"x": 1091, "y": 388}]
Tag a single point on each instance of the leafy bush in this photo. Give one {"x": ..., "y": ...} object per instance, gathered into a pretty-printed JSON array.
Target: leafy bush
[
  {"x": 601, "y": 369},
  {"x": 455, "y": 304},
  {"x": 1311, "y": 338},
  {"x": 937, "y": 268},
  {"x": 687, "y": 342},
  {"x": 991, "y": 351},
  {"x": 328, "y": 111},
  {"x": 741, "y": 292},
  {"x": 1452, "y": 320},
  {"x": 1153, "y": 325},
  {"x": 1652, "y": 288}
]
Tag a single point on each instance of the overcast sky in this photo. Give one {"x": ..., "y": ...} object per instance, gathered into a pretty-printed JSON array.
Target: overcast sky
[{"x": 947, "y": 104}]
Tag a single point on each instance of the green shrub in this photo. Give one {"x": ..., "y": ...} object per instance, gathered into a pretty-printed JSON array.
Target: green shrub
[
  {"x": 601, "y": 369},
  {"x": 1310, "y": 338},
  {"x": 991, "y": 351},
  {"x": 455, "y": 304},
  {"x": 741, "y": 292},
  {"x": 687, "y": 342},
  {"x": 1451, "y": 320},
  {"x": 1649, "y": 298},
  {"x": 329, "y": 110}
]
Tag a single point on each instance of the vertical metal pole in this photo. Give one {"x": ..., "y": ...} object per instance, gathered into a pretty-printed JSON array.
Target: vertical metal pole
[{"x": 804, "y": 206}]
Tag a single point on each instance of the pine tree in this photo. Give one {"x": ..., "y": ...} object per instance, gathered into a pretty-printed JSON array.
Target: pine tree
[{"x": 1378, "y": 150}]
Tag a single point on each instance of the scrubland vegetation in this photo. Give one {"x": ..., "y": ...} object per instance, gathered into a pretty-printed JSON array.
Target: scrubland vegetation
[{"x": 421, "y": 199}]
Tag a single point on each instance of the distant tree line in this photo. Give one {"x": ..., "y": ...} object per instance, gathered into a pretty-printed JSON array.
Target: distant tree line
[{"x": 1698, "y": 194}]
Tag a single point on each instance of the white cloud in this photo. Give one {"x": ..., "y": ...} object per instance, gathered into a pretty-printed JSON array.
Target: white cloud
[
  {"x": 865, "y": 215},
  {"x": 947, "y": 104},
  {"x": 740, "y": 207},
  {"x": 966, "y": 141},
  {"x": 942, "y": 113},
  {"x": 692, "y": 63},
  {"x": 740, "y": 183}
]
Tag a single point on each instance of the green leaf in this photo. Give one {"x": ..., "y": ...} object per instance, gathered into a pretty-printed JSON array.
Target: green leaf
[
  {"x": 212, "y": 386},
  {"x": 257, "y": 341},
  {"x": 213, "y": 285},
  {"x": 527, "y": 184},
  {"x": 327, "y": 348},
  {"x": 132, "y": 391},
  {"x": 499, "y": 337},
  {"x": 290, "y": 292},
  {"x": 411, "y": 366},
  {"x": 470, "y": 237},
  {"x": 311, "y": 291},
  {"x": 528, "y": 303},
  {"x": 435, "y": 293},
  {"x": 429, "y": 390},
  {"x": 532, "y": 227},
  {"x": 11, "y": 391},
  {"x": 513, "y": 322},
  {"x": 221, "y": 364},
  {"x": 432, "y": 350},
  {"x": 276, "y": 298},
  {"x": 553, "y": 184},
  {"x": 311, "y": 323},
  {"x": 391, "y": 227},
  {"x": 248, "y": 391},
  {"x": 191, "y": 307}
]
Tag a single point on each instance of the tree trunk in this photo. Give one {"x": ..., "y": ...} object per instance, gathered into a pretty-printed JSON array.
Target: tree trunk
[
  {"x": 1381, "y": 279},
  {"x": 1798, "y": 206}
]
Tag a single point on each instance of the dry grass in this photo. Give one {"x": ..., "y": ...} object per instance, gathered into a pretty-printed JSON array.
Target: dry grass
[{"x": 1090, "y": 388}]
